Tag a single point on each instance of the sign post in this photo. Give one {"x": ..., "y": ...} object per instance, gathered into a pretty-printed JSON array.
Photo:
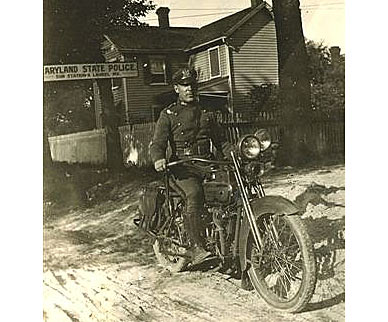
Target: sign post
[{"x": 97, "y": 105}]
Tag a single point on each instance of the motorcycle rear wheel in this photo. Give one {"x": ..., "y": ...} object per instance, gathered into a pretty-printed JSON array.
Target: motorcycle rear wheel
[
  {"x": 283, "y": 272},
  {"x": 164, "y": 251}
]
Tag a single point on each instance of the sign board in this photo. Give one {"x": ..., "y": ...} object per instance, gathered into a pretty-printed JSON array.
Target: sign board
[{"x": 89, "y": 71}]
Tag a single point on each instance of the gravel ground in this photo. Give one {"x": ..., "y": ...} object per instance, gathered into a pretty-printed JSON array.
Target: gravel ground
[{"x": 99, "y": 267}]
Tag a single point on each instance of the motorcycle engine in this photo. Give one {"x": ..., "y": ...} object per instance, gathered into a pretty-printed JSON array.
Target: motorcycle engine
[
  {"x": 218, "y": 188},
  {"x": 217, "y": 192}
]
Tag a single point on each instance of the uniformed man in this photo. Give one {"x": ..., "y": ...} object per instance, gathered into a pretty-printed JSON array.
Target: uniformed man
[{"x": 191, "y": 131}]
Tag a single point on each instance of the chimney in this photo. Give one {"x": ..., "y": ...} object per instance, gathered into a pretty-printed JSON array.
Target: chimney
[
  {"x": 162, "y": 13},
  {"x": 335, "y": 55},
  {"x": 255, "y": 3}
]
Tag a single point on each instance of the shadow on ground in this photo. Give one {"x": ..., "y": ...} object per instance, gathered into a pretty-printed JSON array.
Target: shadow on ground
[{"x": 328, "y": 237}]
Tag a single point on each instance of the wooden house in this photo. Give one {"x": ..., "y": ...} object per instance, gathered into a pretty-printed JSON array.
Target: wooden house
[
  {"x": 231, "y": 55},
  {"x": 235, "y": 53},
  {"x": 157, "y": 52}
]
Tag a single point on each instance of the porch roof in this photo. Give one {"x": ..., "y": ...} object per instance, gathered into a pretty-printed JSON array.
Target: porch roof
[{"x": 217, "y": 85}]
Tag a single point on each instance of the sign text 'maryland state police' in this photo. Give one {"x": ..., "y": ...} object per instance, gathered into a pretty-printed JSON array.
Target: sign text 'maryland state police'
[{"x": 89, "y": 71}]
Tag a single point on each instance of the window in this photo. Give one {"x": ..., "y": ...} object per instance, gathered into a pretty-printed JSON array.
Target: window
[
  {"x": 157, "y": 70},
  {"x": 214, "y": 59}
]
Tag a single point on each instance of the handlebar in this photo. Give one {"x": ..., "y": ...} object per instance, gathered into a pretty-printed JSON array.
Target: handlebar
[{"x": 213, "y": 162}]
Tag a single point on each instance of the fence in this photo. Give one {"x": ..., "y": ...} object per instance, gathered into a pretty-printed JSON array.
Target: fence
[
  {"x": 80, "y": 147},
  {"x": 324, "y": 136}
]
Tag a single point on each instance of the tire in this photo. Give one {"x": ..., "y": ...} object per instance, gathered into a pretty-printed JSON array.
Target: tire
[
  {"x": 284, "y": 271},
  {"x": 172, "y": 263}
]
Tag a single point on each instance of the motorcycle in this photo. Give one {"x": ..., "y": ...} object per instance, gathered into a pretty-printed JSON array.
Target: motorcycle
[{"x": 247, "y": 232}]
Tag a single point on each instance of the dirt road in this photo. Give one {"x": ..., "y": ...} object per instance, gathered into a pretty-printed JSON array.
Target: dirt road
[{"x": 99, "y": 267}]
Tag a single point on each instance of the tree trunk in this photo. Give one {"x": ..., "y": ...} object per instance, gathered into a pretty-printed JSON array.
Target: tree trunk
[
  {"x": 294, "y": 81},
  {"x": 111, "y": 120}
]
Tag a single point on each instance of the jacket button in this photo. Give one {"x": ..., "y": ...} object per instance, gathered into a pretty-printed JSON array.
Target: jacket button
[
  {"x": 182, "y": 133},
  {"x": 179, "y": 124}
]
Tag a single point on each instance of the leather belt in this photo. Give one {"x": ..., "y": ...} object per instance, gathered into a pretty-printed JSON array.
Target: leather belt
[{"x": 200, "y": 148}]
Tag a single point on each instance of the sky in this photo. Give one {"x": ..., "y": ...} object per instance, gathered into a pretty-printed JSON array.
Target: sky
[{"x": 322, "y": 20}]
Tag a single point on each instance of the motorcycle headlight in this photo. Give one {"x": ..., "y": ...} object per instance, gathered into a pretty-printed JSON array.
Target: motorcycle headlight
[
  {"x": 249, "y": 146},
  {"x": 264, "y": 138}
]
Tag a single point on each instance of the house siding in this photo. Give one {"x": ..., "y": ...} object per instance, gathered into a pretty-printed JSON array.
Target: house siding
[
  {"x": 141, "y": 96},
  {"x": 118, "y": 94},
  {"x": 255, "y": 60},
  {"x": 110, "y": 51},
  {"x": 112, "y": 54},
  {"x": 201, "y": 63}
]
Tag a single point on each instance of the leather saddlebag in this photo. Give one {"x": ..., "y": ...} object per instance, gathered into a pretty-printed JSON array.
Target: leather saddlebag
[{"x": 150, "y": 202}]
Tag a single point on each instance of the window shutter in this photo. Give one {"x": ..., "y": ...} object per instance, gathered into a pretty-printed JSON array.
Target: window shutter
[
  {"x": 214, "y": 62},
  {"x": 146, "y": 70}
]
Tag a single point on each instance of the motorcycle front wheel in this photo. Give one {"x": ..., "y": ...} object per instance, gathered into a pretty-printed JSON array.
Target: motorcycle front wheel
[{"x": 283, "y": 271}]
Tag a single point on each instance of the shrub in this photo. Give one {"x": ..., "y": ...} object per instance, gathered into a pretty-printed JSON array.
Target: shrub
[{"x": 264, "y": 97}]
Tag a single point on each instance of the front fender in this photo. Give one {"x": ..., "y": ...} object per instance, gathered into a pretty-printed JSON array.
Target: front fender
[{"x": 262, "y": 206}]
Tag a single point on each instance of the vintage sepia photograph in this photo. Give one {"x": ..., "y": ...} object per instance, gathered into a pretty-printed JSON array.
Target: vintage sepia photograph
[{"x": 193, "y": 160}]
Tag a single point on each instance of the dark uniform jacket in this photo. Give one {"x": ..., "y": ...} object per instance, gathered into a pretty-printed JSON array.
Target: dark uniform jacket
[{"x": 189, "y": 130}]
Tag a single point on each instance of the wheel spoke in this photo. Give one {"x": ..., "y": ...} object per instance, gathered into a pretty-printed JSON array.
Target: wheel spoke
[
  {"x": 287, "y": 279},
  {"x": 290, "y": 273},
  {"x": 276, "y": 224},
  {"x": 299, "y": 269},
  {"x": 269, "y": 232},
  {"x": 283, "y": 268},
  {"x": 290, "y": 246},
  {"x": 290, "y": 238},
  {"x": 283, "y": 282},
  {"x": 277, "y": 263},
  {"x": 291, "y": 264},
  {"x": 280, "y": 232}
]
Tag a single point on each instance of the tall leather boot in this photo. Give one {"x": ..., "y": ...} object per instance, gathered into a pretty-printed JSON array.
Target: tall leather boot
[{"x": 196, "y": 252}]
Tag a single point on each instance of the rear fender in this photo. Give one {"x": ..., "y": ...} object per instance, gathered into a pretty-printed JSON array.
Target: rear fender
[{"x": 260, "y": 207}]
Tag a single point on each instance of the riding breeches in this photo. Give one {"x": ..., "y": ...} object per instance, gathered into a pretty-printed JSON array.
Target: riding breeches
[{"x": 194, "y": 198}]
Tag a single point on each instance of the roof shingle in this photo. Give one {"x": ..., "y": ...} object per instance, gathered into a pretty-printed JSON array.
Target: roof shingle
[
  {"x": 152, "y": 38},
  {"x": 178, "y": 38},
  {"x": 217, "y": 29}
]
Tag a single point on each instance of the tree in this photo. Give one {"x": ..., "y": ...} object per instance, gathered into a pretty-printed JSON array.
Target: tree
[
  {"x": 72, "y": 33},
  {"x": 68, "y": 107},
  {"x": 293, "y": 76},
  {"x": 264, "y": 97},
  {"x": 73, "y": 28},
  {"x": 327, "y": 78}
]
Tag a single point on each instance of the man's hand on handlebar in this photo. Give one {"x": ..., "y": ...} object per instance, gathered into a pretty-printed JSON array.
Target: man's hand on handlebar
[{"x": 160, "y": 165}]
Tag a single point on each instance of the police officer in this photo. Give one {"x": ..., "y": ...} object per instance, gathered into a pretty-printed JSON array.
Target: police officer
[{"x": 191, "y": 131}]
